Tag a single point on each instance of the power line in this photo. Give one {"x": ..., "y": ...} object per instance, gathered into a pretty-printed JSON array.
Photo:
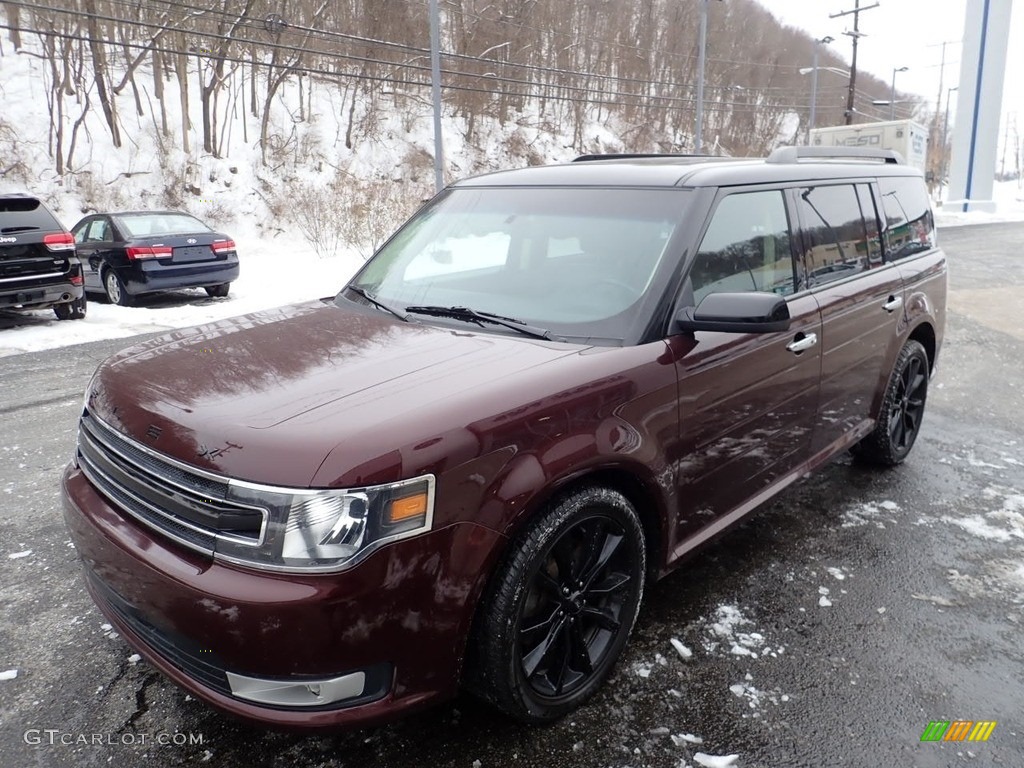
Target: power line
[
  {"x": 208, "y": 36},
  {"x": 713, "y": 106}
]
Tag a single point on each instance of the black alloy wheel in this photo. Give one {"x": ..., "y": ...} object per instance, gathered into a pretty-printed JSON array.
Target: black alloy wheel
[
  {"x": 908, "y": 405},
  {"x": 902, "y": 411},
  {"x": 564, "y": 607}
]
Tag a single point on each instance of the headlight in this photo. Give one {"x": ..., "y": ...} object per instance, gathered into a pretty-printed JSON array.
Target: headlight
[{"x": 328, "y": 530}]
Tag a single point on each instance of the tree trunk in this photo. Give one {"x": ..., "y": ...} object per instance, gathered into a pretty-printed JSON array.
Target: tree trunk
[
  {"x": 181, "y": 63},
  {"x": 158, "y": 89},
  {"x": 14, "y": 19},
  {"x": 99, "y": 65}
]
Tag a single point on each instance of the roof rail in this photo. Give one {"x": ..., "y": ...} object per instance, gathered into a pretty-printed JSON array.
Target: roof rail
[
  {"x": 628, "y": 155},
  {"x": 796, "y": 154}
]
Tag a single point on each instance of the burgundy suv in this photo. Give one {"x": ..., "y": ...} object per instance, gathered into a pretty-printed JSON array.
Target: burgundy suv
[{"x": 546, "y": 389}]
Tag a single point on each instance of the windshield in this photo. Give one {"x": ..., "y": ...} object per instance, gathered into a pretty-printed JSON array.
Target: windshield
[
  {"x": 576, "y": 261},
  {"x": 147, "y": 224}
]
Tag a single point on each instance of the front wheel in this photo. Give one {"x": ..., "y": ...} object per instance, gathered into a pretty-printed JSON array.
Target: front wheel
[
  {"x": 562, "y": 607},
  {"x": 899, "y": 420}
]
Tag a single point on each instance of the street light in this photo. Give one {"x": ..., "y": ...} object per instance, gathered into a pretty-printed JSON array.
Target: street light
[
  {"x": 837, "y": 70},
  {"x": 814, "y": 89},
  {"x": 892, "y": 92},
  {"x": 814, "y": 86}
]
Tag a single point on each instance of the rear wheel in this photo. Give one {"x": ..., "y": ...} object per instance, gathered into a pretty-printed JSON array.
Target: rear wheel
[
  {"x": 562, "y": 607},
  {"x": 74, "y": 310},
  {"x": 116, "y": 294},
  {"x": 218, "y": 291},
  {"x": 899, "y": 420}
]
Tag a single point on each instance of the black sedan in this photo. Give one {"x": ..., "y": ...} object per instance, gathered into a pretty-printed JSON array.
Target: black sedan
[{"x": 133, "y": 253}]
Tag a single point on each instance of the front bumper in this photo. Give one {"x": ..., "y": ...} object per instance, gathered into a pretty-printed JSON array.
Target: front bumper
[{"x": 399, "y": 619}]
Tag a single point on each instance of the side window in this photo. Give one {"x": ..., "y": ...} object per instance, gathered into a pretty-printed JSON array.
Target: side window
[
  {"x": 80, "y": 231},
  {"x": 909, "y": 226},
  {"x": 867, "y": 207},
  {"x": 835, "y": 238},
  {"x": 98, "y": 231},
  {"x": 746, "y": 248}
]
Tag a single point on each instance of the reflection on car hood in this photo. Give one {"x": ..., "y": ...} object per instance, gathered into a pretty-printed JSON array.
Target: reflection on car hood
[{"x": 265, "y": 397}]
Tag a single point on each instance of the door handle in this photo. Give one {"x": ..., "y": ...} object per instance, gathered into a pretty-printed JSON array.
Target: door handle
[
  {"x": 894, "y": 303},
  {"x": 803, "y": 343}
]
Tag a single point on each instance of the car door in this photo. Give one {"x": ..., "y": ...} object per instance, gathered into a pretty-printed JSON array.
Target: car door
[
  {"x": 861, "y": 301},
  {"x": 747, "y": 400},
  {"x": 93, "y": 238}
]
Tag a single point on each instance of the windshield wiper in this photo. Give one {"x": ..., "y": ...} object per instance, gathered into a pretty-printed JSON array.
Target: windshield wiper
[
  {"x": 473, "y": 315},
  {"x": 377, "y": 302},
  {"x": 23, "y": 228}
]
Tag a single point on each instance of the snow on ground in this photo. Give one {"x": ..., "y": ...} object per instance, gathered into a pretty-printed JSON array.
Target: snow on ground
[
  {"x": 727, "y": 631},
  {"x": 870, "y": 513},
  {"x": 715, "y": 761},
  {"x": 8, "y": 674},
  {"x": 1002, "y": 524},
  {"x": 684, "y": 653},
  {"x": 755, "y": 698},
  {"x": 281, "y": 270},
  {"x": 1008, "y": 197}
]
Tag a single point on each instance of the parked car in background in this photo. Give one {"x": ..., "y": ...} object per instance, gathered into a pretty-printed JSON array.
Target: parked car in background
[
  {"x": 38, "y": 264},
  {"x": 547, "y": 389},
  {"x": 133, "y": 253}
]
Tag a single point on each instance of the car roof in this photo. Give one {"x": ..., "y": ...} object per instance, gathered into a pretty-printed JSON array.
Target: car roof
[
  {"x": 144, "y": 213},
  {"x": 691, "y": 171}
]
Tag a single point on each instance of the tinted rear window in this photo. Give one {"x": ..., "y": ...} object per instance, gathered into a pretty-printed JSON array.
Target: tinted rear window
[
  {"x": 837, "y": 242},
  {"x": 25, "y": 214},
  {"x": 909, "y": 226}
]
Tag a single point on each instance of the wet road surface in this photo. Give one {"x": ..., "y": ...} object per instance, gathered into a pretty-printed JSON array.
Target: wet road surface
[{"x": 829, "y": 630}]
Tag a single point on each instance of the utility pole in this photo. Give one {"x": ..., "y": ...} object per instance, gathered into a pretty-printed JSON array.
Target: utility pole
[
  {"x": 853, "y": 66},
  {"x": 701, "y": 56},
  {"x": 698, "y": 141},
  {"x": 435, "y": 92}
]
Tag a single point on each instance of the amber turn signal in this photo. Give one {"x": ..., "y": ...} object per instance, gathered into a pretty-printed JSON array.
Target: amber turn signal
[{"x": 407, "y": 508}]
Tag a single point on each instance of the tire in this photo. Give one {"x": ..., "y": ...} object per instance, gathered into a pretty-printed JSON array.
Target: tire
[
  {"x": 560, "y": 608},
  {"x": 74, "y": 310},
  {"x": 114, "y": 288},
  {"x": 218, "y": 291},
  {"x": 899, "y": 420}
]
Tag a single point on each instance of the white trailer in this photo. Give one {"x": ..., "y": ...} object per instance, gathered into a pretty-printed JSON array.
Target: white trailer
[{"x": 905, "y": 136}]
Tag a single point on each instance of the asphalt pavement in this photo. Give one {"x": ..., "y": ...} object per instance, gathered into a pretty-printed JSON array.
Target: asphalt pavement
[{"x": 828, "y": 630}]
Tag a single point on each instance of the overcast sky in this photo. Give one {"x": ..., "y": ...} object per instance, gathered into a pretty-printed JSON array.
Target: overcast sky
[{"x": 908, "y": 33}]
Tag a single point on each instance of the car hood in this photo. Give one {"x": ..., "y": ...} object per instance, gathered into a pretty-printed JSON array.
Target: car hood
[{"x": 266, "y": 397}]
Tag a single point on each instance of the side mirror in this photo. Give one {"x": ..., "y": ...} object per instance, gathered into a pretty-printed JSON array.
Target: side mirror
[{"x": 754, "y": 312}]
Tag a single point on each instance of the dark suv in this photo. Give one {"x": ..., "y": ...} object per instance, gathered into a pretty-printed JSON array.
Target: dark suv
[
  {"x": 545, "y": 390},
  {"x": 38, "y": 264}
]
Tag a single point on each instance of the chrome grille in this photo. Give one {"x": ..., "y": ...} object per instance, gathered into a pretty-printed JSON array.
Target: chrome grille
[{"x": 188, "y": 506}]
